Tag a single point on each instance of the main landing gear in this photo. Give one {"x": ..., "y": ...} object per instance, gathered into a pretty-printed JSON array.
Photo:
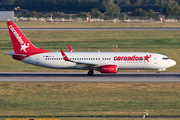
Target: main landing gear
[{"x": 90, "y": 73}]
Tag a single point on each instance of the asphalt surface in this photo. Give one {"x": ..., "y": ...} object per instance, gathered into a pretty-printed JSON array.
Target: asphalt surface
[
  {"x": 83, "y": 77},
  {"x": 93, "y": 29},
  {"x": 97, "y": 77}
]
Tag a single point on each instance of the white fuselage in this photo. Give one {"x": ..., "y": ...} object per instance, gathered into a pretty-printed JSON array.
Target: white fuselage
[{"x": 123, "y": 60}]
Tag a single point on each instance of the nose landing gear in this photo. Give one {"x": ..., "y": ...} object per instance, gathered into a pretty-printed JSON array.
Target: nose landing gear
[
  {"x": 158, "y": 73},
  {"x": 90, "y": 73}
]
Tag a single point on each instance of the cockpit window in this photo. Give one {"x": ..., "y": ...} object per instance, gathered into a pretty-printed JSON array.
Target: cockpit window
[{"x": 165, "y": 58}]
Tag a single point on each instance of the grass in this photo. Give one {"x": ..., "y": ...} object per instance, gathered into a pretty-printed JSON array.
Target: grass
[
  {"x": 105, "y": 24},
  {"x": 163, "y": 42},
  {"x": 85, "y": 99},
  {"x": 88, "y": 99},
  {"x": 78, "y": 118},
  {"x": 117, "y": 119}
]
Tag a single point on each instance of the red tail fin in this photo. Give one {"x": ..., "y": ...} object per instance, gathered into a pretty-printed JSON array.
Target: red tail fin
[
  {"x": 20, "y": 42},
  {"x": 70, "y": 48}
]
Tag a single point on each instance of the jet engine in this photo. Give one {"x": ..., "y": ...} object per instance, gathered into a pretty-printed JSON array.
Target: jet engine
[{"x": 108, "y": 69}]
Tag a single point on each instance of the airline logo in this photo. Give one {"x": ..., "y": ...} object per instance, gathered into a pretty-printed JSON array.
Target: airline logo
[
  {"x": 109, "y": 69},
  {"x": 132, "y": 58},
  {"x": 19, "y": 38},
  {"x": 23, "y": 47},
  {"x": 64, "y": 56},
  {"x": 71, "y": 50}
]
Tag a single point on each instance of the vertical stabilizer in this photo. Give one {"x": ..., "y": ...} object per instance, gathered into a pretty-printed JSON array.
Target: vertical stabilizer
[{"x": 20, "y": 42}]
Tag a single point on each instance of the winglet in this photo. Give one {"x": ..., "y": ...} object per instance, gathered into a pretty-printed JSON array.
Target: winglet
[
  {"x": 70, "y": 48},
  {"x": 64, "y": 56}
]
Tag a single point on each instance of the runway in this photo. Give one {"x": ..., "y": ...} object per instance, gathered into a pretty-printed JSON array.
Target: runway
[
  {"x": 82, "y": 77},
  {"x": 94, "y": 29}
]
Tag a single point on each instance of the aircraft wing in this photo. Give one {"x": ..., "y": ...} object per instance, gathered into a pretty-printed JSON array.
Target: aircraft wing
[
  {"x": 84, "y": 64},
  {"x": 87, "y": 64}
]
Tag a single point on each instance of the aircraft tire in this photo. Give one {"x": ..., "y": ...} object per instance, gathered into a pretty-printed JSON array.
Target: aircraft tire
[
  {"x": 90, "y": 73},
  {"x": 158, "y": 73}
]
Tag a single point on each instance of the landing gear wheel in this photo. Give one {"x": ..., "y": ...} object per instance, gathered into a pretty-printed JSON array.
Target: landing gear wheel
[
  {"x": 90, "y": 73},
  {"x": 158, "y": 73}
]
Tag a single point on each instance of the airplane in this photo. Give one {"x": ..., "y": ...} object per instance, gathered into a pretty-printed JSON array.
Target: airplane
[{"x": 104, "y": 62}]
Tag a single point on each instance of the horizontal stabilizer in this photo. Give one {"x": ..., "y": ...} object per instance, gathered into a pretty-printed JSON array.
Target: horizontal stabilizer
[
  {"x": 10, "y": 52},
  {"x": 13, "y": 54}
]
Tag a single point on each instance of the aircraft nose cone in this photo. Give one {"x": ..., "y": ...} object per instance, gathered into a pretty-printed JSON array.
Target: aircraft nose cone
[{"x": 173, "y": 62}]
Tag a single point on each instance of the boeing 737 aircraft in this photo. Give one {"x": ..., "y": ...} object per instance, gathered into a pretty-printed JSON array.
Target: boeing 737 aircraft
[{"x": 104, "y": 62}]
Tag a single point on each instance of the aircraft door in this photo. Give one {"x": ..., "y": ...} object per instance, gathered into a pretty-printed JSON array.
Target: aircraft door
[
  {"x": 37, "y": 60},
  {"x": 155, "y": 59}
]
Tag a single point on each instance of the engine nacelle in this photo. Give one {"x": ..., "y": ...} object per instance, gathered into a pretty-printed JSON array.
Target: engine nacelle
[{"x": 108, "y": 69}]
